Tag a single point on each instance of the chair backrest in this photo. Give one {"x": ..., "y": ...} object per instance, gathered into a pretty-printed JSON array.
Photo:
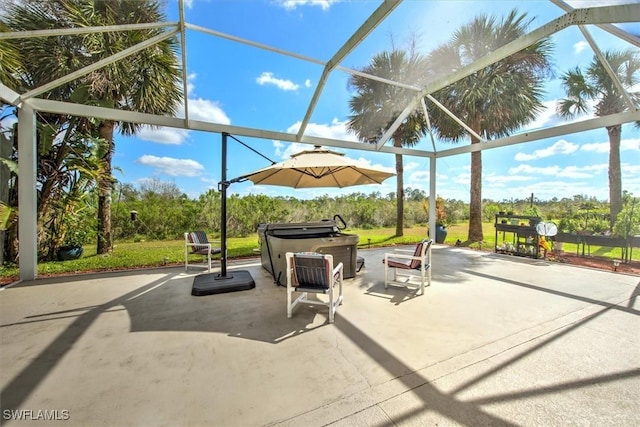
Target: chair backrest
[
  {"x": 421, "y": 250},
  {"x": 312, "y": 270},
  {"x": 197, "y": 237}
]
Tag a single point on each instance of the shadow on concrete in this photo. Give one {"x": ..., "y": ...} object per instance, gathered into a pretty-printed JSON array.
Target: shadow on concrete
[
  {"x": 23, "y": 384},
  {"x": 470, "y": 412},
  {"x": 627, "y": 309}
]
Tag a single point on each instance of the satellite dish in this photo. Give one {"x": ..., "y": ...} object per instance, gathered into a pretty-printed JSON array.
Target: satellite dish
[{"x": 546, "y": 229}]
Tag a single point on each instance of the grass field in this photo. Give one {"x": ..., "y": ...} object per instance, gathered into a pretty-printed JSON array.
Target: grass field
[{"x": 131, "y": 255}]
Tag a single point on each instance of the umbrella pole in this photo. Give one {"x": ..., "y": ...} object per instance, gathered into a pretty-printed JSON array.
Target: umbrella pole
[
  {"x": 223, "y": 208},
  {"x": 211, "y": 283}
]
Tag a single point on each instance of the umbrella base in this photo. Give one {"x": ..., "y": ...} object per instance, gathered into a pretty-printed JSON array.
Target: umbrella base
[{"x": 214, "y": 283}]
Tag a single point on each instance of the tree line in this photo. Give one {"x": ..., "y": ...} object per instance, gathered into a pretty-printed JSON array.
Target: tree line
[{"x": 158, "y": 210}]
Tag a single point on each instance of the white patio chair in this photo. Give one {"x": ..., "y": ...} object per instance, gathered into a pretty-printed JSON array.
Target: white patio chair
[
  {"x": 309, "y": 272},
  {"x": 409, "y": 268},
  {"x": 196, "y": 242}
]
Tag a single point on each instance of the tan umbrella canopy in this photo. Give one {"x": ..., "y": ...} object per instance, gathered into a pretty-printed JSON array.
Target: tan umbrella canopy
[{"x": 319, "y": 168}]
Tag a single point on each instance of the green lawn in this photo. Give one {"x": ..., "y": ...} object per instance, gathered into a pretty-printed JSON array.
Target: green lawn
[{"x": 130, "y": 255}]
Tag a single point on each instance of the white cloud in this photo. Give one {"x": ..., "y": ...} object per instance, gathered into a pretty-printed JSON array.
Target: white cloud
[
  {"x": 163, "y": 135},
  {"x": 367, "y": 163},
  {"x": 307, "y": 83},
  {"x": 420, "y": 179},
  {"x": 546, "y": 190},
  {"x": 190, "y": 85},
  {"x": 207, "y": 111},
  {"x": 596, "y": 147},
  {"x": 199, "y": 109},
  {"x": 293, "y": 4},
  {"x": 267, "y": 78},
  {"x": 603, "y": 147},
  {"x": 580, "y": 46},
  {"x": 209, "y": 182},
  {"x": 630, "y": 144},
  {"x": 506, "y": 179},
  {"x": 559, "y": 147},
  {"x": 573, "y": 172},
  {"x": 411, "y": 165},
  {"x": 285, "y": 151},
  {"x": 630, "y": 169},
  {"x": 171, "y": 166},
  {"x": 336, "y": 130},
  {"x": 547, "y": 117}
]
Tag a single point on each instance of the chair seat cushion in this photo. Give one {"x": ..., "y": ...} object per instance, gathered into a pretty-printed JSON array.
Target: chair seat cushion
[
  {"x": 315, "y": 289},
  {"x": 403, "y": 263},
  {"x": 214, "y": 251}
]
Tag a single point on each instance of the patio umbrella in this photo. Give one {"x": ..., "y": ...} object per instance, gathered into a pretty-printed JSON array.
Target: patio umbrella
[
  {"x": 311, "y": 168},
  {"x": 319, "y": 168}
]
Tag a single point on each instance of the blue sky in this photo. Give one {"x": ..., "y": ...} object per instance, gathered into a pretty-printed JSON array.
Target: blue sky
[{"x": 241, "y": 85}]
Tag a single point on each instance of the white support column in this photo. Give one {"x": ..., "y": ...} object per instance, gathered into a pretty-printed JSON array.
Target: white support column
[
  {"x": 432, "y": 199},
  {"x": 27, "y": 196}
]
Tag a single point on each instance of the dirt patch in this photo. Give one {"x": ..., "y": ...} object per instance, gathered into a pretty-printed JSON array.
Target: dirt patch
[{"x": 600, "y": 263}]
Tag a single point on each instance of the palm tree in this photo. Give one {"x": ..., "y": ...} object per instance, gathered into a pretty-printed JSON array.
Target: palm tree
[
  {"x": 493, "y": 101},
  {"x": 148, "y": 81},
  {"x": 376, "y": 105},
  {"x": 9, "y": 60},
  {"x": 595, "y": 84}
]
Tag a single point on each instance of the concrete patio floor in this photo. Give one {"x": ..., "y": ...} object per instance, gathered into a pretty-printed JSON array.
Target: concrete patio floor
[{"x": 496, "y": 340}]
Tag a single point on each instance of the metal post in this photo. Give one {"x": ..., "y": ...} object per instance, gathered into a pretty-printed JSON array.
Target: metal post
[
  {"x": 432, "y": 198},
  {"x": 223, "y": 208},
  {"x": 27, "y": 225}
]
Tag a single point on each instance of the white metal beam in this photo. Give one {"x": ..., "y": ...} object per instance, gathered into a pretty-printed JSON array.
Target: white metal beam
[
  {"x": 83, "y": 30},
  {"x": 453, "y": 117},
  {"x": 596, "y": 49},
  {"x": 610, "y": 28},
  {"x": 536, "y": 135},
  {"x": 9, "y": 95},
  {"x": 369, "y": 25},
  {"x": 80, "y": 110},
  {"x": 183, "y": 50},
  {"x": 607, "y": 68},
  {"x": 27, "y": 197},
  {"x": 426, "y": 117},
  {"x": 599, "y": 15},
  {"x": 251, "y": 43}
]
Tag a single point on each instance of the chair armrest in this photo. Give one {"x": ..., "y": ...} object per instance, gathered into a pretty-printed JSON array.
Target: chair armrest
[
  {"x": 338, "y": 268},
  {"x": 401, "y": 256},
  {"x": 337, "y": 272},
  {"x": 204, "y": 246},
  {"x": 198, "y": 244}
]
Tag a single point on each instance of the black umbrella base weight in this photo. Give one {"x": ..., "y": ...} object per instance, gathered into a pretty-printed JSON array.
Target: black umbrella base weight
[{"x": 214, "y": 283}]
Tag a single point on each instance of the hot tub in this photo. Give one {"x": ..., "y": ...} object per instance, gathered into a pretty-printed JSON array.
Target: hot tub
[{"x": 276, "y": 239}]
